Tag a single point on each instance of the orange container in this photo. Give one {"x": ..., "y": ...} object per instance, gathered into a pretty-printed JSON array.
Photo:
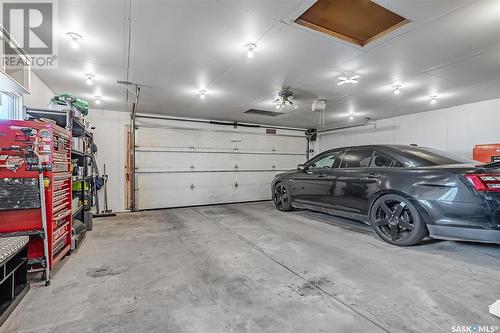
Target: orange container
[{"x": 487, "y": 153}]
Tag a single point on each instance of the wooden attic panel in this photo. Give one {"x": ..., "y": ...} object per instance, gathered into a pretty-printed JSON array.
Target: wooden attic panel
[{"x": 356, "y": 21}]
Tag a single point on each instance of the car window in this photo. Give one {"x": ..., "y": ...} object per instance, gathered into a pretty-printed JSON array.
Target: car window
[
  {"x": 356, "y": 158},
  {"x": 326, "y": 161},
  {"x": 383, "y": 161},
  {"x": 398, "y": 165},
  {"x": 422, "y": 156}
]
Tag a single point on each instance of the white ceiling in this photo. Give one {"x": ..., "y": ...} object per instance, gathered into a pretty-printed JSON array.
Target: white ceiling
[{"x": 450, "y": 49}]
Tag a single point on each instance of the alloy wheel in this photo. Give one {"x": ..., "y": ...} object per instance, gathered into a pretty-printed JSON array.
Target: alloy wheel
[
  {"x": 394, "y": 219},
  {"x": 281, "y": 196}
]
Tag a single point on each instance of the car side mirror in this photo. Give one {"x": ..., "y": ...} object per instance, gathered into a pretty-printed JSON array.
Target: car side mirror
[{"x": 301, "y": 167}]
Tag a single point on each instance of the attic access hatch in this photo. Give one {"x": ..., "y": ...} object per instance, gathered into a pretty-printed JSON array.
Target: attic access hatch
[
  {"x": 356, "y": 21},
  {"x": 264, "y": 113}
]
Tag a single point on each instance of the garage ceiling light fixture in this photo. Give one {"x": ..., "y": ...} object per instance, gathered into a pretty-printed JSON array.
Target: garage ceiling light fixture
[
  {"x": 250, "y": 50},
  {"x": 98, "y": 99},
  {"x": 90, "y": 79},
  {"x": 203, "y": 94},
  {"x": 351, "y": 115},
  {"x": 397, "y": 89},
  {"x": 348, "y": 79},
  {"x": 75, "y": 39},
  {"x": 433, "y": 99}
]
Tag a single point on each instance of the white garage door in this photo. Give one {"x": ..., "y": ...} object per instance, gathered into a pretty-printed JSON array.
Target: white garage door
[{"x": 185, "y": 164}]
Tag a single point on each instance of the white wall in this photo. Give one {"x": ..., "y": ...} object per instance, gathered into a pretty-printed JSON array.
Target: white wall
[
  {"x": 40, "y": 94},
  {"x": 109, "y": 135},
  {"x": 110, "y": 138},
  {"x": 457, "y": 129}
]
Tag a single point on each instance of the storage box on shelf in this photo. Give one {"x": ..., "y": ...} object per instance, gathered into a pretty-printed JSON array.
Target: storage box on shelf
[{"x": 18, "y": 179}]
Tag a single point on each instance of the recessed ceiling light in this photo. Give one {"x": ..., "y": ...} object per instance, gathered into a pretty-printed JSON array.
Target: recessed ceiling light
[
  {"x": 397, "y": 89},
  {"x": 90, "y": 79},
  {"x": 98, "y": 99},
  {"x": 203, "y": 94},
  {"x": 351, "y": 115},
  {"x": 250, "y": 50},
  {"x": 433, "y": 99},
  {"x": 75, "y": 39},
  {"x": 348, "y": 79}
]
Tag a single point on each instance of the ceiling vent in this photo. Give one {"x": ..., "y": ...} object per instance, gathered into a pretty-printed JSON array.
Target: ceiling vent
[
  {"x": 263, "y": 113},
  {"x": 356, "y": 21}
]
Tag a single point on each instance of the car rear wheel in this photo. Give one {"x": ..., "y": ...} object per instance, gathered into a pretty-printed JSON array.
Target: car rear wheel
[
  {"x": 397, "y": 221},
  {"x": 282, "y": 198}
]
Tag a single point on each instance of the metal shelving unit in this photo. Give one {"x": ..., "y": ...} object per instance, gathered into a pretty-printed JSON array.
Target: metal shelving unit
[{"x": 86, "y": 192}]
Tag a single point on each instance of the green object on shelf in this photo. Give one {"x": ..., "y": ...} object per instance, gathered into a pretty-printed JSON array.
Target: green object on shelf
[
  {"x": 77, "y": 186},
  {"x": 77, "y": 103}
]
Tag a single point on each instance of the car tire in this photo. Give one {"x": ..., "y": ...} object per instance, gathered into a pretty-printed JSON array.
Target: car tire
[
  {"x": 282, "y": 197},
  {"x": 397, "y": 221}
]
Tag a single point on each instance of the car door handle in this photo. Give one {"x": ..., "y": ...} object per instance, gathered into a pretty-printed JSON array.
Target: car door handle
[
  {"x": 322, "y": 175},
  {"x": 373, "y": 176}
]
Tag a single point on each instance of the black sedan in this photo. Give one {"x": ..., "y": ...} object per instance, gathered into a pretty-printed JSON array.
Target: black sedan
[{"x": 405, "y": 192}]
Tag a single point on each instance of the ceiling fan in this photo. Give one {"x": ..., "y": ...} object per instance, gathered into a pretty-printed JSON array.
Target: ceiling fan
[
  {"x": 284, "y": 100},
  {"x": 348, "y": 79}
]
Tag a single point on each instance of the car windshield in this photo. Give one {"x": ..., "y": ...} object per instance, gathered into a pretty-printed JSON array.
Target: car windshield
[{"x": 422, "y": 156}]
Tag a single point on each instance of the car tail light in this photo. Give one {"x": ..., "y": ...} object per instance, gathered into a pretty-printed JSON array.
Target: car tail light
[{"x": 485, "y": 182}]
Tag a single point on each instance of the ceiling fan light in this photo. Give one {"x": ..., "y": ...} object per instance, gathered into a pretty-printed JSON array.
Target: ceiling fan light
[{"x": 348, "y": 79}]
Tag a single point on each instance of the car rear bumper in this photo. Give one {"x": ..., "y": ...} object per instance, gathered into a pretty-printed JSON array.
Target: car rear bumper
[{"x": 464, "y": 234}]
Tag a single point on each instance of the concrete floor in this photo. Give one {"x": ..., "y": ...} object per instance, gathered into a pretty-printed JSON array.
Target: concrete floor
[{"x": 251, "y": 268}]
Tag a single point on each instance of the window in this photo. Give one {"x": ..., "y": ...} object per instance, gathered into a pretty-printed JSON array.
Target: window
[
  {"x": 421, "y": 156},
  {"x": 10, "y": 106},
  {"x": 325, "y": 161},
  {"x": 359, "y": 158},
  {"x": 383, "y": 161}
]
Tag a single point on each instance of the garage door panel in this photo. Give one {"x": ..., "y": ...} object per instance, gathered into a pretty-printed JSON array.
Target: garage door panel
[
  {"x": 199, "y": 189},
  {"x": 161, "y": 161},
  {"x": 226, "y": 141},
  {"x": 178, "y": 167}
]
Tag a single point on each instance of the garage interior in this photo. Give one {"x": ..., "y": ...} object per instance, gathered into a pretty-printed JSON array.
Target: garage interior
[{"x": 138, "y": 167}]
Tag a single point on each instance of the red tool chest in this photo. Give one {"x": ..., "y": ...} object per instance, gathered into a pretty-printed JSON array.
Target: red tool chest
[
  {"x": 487, "y": 153},
  {"x": 19, "y": 180}
]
